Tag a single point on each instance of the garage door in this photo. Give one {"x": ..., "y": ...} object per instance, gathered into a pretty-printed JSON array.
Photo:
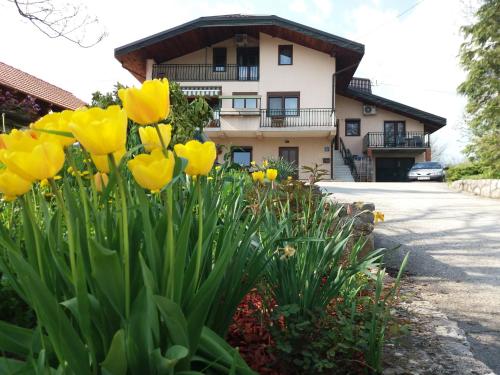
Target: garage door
[{"x": 393, "y": 169}]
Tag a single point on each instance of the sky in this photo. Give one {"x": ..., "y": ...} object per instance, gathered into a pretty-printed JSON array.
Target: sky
[{"x": 411, "y": 46}]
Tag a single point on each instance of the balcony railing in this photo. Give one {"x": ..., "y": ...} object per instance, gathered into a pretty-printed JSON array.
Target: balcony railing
[
  {"x": 383, "y": 140},
  {"x": 293, "y": 118},
  {"x": 206, "y": 72}
]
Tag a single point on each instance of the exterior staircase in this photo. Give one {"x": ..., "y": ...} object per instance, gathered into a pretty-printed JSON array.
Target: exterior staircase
[{"x": 341, "y": 172}]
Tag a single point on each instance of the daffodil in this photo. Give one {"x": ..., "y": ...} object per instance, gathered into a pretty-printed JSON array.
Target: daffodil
[
  {"x": 101, "y": 181},
  {"x": 200, "y": 156},
  {"x": 102, "y": 163},
  {"x": 57, "y": 121},
  {"x": 378, "y": 216},
  {"x": 100, "y": 131},
  {"x": 271, "y": 174},
  {"x": 12, "y": 185},
  {"x": 152, "y": 171},
  {"x": 30, "y": 158},
  {"x": 151, "y": 140},
  {"x": 258, "y": 176},
  {"x": 148, "y": 104}
]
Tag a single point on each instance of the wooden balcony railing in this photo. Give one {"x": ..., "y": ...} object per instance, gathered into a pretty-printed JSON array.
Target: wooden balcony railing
[
  {"x": 383, "y": 140},
  {"x": 206, "y": 72}
]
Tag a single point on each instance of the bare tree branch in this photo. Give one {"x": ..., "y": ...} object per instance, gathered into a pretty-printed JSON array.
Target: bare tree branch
[{"x": 64, "y": 20}]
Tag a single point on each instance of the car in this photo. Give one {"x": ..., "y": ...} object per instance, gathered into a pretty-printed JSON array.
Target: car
[{"x": 426, "y": 171}]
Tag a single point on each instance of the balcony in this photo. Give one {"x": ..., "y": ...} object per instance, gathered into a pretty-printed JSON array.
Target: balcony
[
  {"x": 391, "y": 141},
  {"x": 279, "y": 118},
  {"x": 296, "y": 118},
  {"x": 206, "y": 72}
]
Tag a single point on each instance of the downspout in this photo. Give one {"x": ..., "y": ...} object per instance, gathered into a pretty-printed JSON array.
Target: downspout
[{"x": 332, "y": 144}]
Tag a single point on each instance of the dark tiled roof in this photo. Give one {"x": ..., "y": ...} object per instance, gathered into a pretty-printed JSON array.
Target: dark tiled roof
[
  {"x": 433, "y": 121},
  {"x": 33, "y": 86}
]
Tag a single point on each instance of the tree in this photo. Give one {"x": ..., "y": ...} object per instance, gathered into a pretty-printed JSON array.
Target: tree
[
  {"x": 62, "y": 20},
  {"x": 480, "y": 56}
]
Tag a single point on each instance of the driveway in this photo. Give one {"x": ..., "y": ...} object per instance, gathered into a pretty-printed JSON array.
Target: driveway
[{"x": 454, "y": 241}]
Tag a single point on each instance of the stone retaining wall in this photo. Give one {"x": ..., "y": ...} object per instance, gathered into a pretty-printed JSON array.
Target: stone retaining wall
[{"x": 484, "y": 188}]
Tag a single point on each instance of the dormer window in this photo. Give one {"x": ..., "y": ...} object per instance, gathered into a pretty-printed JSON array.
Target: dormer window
[
  {"x": 285, "y": 54},
  {"x": 219, "y": 59}
]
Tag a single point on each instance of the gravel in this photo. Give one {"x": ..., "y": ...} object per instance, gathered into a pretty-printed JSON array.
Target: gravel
[{"x": 454, "y": 239}]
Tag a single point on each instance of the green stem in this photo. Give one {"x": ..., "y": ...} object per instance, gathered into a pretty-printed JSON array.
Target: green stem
[
  {"x": 124, "y": 229},
  {"x": 27, "y": 207},
  {"x": 168, "y": 265},
  {"x": 200, "y": 232},
  {"x": 162, "y": 142},
  {"x": 69, "y": 224}
]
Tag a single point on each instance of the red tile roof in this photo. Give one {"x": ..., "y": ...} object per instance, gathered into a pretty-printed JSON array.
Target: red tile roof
[{"x": 31, "y": 85}]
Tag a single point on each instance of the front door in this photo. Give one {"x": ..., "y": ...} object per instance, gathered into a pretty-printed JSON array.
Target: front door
[
  {"x": 394, "y": 133},
  {"x": 248, "y": 63},
  {"x": 291, "y": 154},
  {"x": 393, "y": 169}
]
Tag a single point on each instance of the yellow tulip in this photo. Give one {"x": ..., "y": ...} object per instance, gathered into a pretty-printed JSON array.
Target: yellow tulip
[
  {"x": 101, "y": 162},
  {"x": 58, "y": 121},
  {"x": 148, "y": 104},
  {"x": 101, "y": 181},
  {"x": 258, "y": 176},
  {"x": 378, "y": 216},
  {"x": 100, "y": 131},
  {"x": 265, "y": 163},
  {"x": 271, "y": 174},
  {"x": 12, "y": 185},
  {"x": 200, "y": 156},
  {"x": 30, "y": 158},
  {"x": 152, "y": 171},
  {"x": 150, "y": 139}
]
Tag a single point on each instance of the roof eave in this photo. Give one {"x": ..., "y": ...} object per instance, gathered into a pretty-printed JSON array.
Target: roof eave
[{"x": 429, "y": 119}]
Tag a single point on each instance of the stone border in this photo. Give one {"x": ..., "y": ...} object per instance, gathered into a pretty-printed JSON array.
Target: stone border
[{"x": 485, "y": 188}]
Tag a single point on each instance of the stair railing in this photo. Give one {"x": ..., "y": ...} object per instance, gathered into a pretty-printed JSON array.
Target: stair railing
[{"x": 348, "y": 160}]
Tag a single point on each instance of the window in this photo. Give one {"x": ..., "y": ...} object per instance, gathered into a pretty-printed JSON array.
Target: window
[
  {"x": 285, "y": 54},
  {"x": 283, "y": 104},
  {"x": 219, "y": 59},
  {"x": 352, "y": 127},
  {"x": 241, "y": 103},
  {"x": 242, "y": 155}
]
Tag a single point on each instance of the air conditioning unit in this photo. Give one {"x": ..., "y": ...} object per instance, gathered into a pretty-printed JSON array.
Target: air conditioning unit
[
  {"x": 241, "y": 40},
  {"x": 369, "y": 110}
]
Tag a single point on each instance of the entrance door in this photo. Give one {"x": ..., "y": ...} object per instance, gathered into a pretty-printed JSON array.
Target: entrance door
[
  {"x": 248, "y": 63},
  {"x": 394, "y": 133},
  {"x": 291, "y": 154},
  {"x": 393, "y": 169}
]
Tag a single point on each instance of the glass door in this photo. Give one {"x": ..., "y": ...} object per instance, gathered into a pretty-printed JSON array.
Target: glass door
[
  {"x": 394, "y": 133},
  {"x": 248, "y": 63}
]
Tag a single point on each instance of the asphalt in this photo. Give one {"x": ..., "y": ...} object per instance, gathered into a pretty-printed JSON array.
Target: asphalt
[{"x": 454, "y": 240}]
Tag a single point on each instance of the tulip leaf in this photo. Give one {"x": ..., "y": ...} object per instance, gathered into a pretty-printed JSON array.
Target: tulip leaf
[
  {"x": 174, "y": 319},
  {"x": 108, "y": 272},
  {"x": 65, "y": 340},
  {"x": 13, "y": 366},
  {"x": 55, "y": 132},
  {"x": 115, "y": 362},
  {"x": 14, "y": 339}
]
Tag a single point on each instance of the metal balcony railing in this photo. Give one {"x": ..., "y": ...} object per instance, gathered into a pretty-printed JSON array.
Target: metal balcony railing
[
  {"x": 390, "y": 140},
  {"x": 293, "y": 118},
  {"x": 206, "y": 72}
]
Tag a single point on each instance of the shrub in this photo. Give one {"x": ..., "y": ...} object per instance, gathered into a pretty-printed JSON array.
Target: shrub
[{"x": 464, "y": 171}]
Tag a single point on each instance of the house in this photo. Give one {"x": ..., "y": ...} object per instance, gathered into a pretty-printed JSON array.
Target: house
[
  {"x": 280, "y": 89},
  {"x": 24, "y": 97}
]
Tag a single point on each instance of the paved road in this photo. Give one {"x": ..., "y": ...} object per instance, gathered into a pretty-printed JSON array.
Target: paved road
[{"x": 454, "y": 239}]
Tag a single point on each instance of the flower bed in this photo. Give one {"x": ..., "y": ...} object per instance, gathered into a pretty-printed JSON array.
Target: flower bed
[{"x": 137, "y": 256}]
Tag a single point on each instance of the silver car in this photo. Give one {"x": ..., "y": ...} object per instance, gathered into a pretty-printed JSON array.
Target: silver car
[{"x": 426, "y": 171}]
